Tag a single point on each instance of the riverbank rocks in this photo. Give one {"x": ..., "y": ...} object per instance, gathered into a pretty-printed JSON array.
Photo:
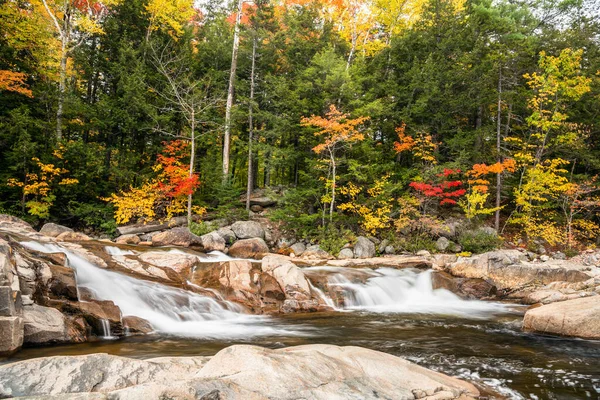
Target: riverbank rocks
[
  {"x": 345, "y": 254},
  {"x": 44, "y": 325},
  {"x": 128, "y": 239},
  {"x": 212, "y": 242},
  {"x": 227, "y": 235},
  {"x": 364, "y": 248},
  {"x": 289, "y": 277},
  {"x": 53, "y": 230},
  {"x": 255, "y": 248},
  {"x": 577, "y": 318},
  {"x": 11, "y": 334},
  {"x": 135, "y": 325},
  {"x": 314, "y": 252},
  {"x": 248, "y": 230},
  {"x": 73, "y": 237},
  {"x": 239, "y": 372},
  {"x": 176, "y": 237}
]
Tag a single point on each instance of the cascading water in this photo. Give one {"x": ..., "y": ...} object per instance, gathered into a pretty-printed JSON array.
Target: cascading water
[
  {"x": 390, "y": 290},
  {"x": 106, "y": 330},
  {"x": 169, "y": 310}
]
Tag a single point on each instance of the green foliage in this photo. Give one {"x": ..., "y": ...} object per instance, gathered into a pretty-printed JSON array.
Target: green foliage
[
  {"x": 415, "y": 243},
  {"x": 478, "y": 241},
  {"x": 202, "y": 227},
  {"x": 332, "y": 239}
]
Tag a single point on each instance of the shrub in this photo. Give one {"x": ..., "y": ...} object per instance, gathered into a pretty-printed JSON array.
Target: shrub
[
  {"x": 202, "y": 228},
  {"x": 479, "y": 241},
  {"x": 413, "y": 244},
  {"x": 332, "y": 239}
]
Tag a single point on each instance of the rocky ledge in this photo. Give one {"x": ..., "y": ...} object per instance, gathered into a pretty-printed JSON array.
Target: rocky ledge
[{"x": 237, "y": 372}]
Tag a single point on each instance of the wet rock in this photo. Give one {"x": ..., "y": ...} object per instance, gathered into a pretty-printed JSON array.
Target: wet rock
[
  {"x": 289, "y": 277},
  {"x": 136, "y": 325},
  {"x": 235, "y": 275},
  {"x": 364, "y": 248},
  {"x": 227, "y": 234},
  {"x": 346, "y": 253},
  {"x": 62, "y": 284},
  {"x": 96, "y": 314},
  {"x": 73, "y": 237},
  {"x": 53, "y": 230},
  {"x": 255, "y": 248},
  {"x": 248, "y": 230},
  {"x": 11, "y": 334},
  {"x": 128, "y": 239},
  {"x": 176, "y": 237},
  {"x": 179, "y": 262},
  {"x": 298, "y": 248},
  {"x": 212, "y": 242},
  {"x": 43, "y": 325},
  {"x": 576, "y": 318}
]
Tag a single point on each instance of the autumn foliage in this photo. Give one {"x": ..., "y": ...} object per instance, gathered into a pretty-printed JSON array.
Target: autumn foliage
[
  {"x": 164, "y": 196},
  {"x": 447, "y": 190}
]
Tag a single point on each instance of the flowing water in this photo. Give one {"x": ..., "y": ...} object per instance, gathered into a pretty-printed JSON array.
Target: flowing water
[{"x": 395, "y": 311}]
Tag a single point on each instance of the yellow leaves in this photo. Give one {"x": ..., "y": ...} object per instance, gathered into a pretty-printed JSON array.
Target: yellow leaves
[
  {"x": 474, "y": 202},
  {"x": 170, "y": 15},
  {"x": 137, "y": 202},
  {"x": 375, "y": 213},
  {"x": 421, "y": 145}
]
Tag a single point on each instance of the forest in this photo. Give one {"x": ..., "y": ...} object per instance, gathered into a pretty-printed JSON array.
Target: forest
[{"x": 374, "y": 117}]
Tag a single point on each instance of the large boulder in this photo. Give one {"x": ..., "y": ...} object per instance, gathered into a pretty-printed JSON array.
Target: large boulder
[
  {"x": 248, "y": 229},
  {"x": 128, "y": 239},
  {"x": 236, "y": 275},
  {"x": 176, "y": 237},
  {"x": 298, "y": 248},
  {"x": 364, "y": 248},
  {"x": 135, "y": 325},
  {"x": 212, "y": 242},
  {"x": 249, "y": 248},
  {"x": 578, "y": 318},
  {"x": 44, "y": 325},
  {"x": 240, "y": 372},
  {"x": 53, "y": 230},
  {"x": 227, "y": 234},
  {"x": 103, "y": 316},
  {"x": 289, "y": 277},
  {"x": 179, "y": 262},
  {"x": 345, "y": 254},
  {"x": 62, "y": 283},
  {"x": 73, "y": 237}
]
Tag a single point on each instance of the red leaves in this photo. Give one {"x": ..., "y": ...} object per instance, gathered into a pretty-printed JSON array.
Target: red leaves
[
  {"x": 446, "y": 191},
  {"x": 175, "y": 180}
]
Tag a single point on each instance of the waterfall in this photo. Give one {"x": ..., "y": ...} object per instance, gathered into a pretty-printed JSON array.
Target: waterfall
[
  {"x": 169, "y": 310},
  {"x": 106, "y": 334},
  {"x": 116, "y": 251},
  {"x": 388, "y": 290}
]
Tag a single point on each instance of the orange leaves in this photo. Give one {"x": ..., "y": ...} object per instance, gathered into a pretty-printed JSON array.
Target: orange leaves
[
  {"x": 336, "y": 127},
  {"x": 479, "y": 171},
  {"x": 421, "y": 145},
  {"x": 14, "y": 82}
]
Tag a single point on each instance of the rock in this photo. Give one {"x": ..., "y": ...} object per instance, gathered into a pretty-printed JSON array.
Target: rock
[
  {"x": 256, "y": 208},
  {"x": 227, "y": 234},
  {"x": 384, "y": 243},
  {"x": 53, "y": 230},
  {"x": 463, "y": 287},
  {"x": 316, "y": 253},
  {"x": 8, "y": 221},
  {"x": 544, "y": 258},
  {"x": 289, "y": 277},
  {"x": 248, "y": 230},
  {"x": 488, "y": 230},
  {"x": 239, "y": 372},
  {"x": 423, "y": 253},
  {"x": 442, "y": 244},
  {"x": 97, "y": 314},
  {"x": 212, "y": 242},
  {"x": 11, "y": 335},
  {"x": 261, "y": 201},
  {"x": 364, "y": 248},
  {"x": 577, "y": 318},
  {"x": 179, "y": 262},
  {"x": 298, "y": 248},
  {"x": 176, "y": 237},
  {"x": 62, "y": 284},
  {"x": 128, "y": 239},
  {"x": 152, "y": 226},
  {"x": 255, "y": 248},
  {"x": 10, "y": 302},
  {"x": 345, "y": 253},
  {"x": 450, "y": 228},
  {"x": 235, "y": 275},
  {"x": 390, "y": 250},
  {"x": 136, "y": 325},
  {"x": 73, "y": 237},
  {"x": 559, "y": 256},
  {"x": 43, "y": 325}
]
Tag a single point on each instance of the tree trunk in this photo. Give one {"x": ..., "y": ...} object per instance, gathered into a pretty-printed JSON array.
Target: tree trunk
[
  {"x": 499, "y": 156},
  {"x": 62, "y": 82},
  {"x": 192, "y": 162},
  {"x": 333, "y": 171},
  {"x": 250, "y": 126},
  {"x": 229, "y": 105}
]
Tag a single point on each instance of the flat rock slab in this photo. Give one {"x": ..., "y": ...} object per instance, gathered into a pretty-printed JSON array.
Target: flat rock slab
[
  {"x": 237, "y": 372},
  {"x": 577, "y": 318}
]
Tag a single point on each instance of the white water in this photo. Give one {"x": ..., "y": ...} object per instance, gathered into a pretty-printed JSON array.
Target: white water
[
  {"x": 169, "y": 310},
  {"x": 116, "y": 251},
  {"x": 407, "y": 291}
]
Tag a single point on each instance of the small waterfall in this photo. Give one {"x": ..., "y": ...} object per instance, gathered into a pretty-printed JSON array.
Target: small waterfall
[
  {"x": 326, "y": 299},
  {"x": 106, "y": 334},
  {"x": 388, "y": 290},
  {"x": 170, "y": 310},
  {"x": 116, "y": 251}
]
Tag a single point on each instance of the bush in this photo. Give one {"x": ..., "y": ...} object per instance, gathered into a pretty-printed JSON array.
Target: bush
[
  {"x": 413, "y": 244},
  {"x": 202, "y": 228},
  {"x": 332, "y": 239},
  {"x": 479, "y": 241}
]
